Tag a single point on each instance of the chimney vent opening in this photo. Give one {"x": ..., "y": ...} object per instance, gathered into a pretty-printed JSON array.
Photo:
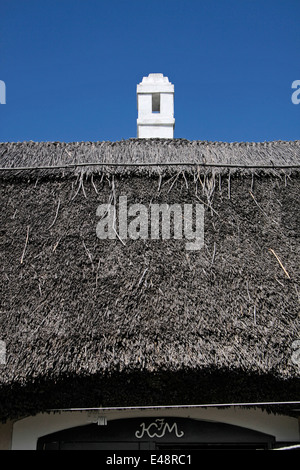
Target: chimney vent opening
[{"x": 155, "y": 102}]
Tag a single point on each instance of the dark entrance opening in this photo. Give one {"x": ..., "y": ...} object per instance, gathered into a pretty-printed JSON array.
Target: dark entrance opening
[{"x": 156, "y": 433}]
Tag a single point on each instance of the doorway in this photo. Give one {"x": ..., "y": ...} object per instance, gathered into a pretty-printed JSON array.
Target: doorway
[{"x": 163, "y": 433}]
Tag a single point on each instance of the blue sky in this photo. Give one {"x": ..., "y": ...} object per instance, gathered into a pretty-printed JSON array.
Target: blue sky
[{"x": 71, "y": 67}]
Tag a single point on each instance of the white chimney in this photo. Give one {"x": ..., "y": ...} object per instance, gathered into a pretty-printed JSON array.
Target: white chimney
[{"x": 155, "y": 101}]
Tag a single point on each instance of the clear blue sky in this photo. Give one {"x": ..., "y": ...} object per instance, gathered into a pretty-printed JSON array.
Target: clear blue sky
[{"x": 71, "y": 67}]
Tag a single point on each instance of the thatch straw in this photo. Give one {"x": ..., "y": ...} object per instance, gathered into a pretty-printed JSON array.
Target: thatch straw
[
  {"x": 90, "y": 322},
  {"x": 152, "y": 155}
]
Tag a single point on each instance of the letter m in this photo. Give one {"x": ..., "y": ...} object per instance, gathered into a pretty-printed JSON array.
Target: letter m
[{"x": 166, "y": 211}]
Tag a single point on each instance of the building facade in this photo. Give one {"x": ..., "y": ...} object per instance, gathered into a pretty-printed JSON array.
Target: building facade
[{"x": 116, "y": 335}]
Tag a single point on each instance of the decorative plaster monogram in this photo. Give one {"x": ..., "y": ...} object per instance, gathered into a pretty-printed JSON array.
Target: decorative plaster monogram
[{"x": 159, "y": 428}]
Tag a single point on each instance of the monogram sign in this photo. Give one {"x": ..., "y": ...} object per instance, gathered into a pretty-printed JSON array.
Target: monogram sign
[{"x": 158, "y": 428}]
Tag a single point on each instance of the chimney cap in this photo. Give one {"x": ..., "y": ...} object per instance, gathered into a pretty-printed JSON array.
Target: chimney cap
[{"x": 155, "y": 82}]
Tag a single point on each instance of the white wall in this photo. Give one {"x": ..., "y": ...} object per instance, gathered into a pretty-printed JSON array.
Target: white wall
[{"x": 152, "y": 131}]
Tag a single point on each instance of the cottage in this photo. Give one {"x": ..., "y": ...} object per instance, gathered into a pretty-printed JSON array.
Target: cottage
[{"x": 134, "y": 342}]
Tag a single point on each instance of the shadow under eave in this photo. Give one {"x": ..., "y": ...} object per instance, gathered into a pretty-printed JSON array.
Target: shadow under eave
[{"x": 146, "y": 389}]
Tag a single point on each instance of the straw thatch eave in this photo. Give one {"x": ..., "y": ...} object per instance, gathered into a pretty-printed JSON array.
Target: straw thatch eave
[{"x": 133, "y": 323}]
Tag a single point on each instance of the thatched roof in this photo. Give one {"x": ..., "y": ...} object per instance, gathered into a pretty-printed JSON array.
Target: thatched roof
[
  {"x": 90, "y": 322},
  {"x": 141, "y": 153}
]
